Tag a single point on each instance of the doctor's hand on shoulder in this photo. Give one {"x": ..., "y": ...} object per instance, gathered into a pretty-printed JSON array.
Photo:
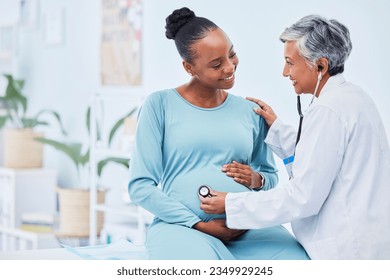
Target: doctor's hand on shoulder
[{"x": 264, "y": 110}]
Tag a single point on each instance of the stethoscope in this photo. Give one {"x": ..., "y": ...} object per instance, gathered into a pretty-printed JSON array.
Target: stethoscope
[
  {"x": 205, "y": 191},
  {"x": 299, "y": 107}
]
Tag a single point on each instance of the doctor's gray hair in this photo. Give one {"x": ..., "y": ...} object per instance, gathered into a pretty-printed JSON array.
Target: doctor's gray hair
[{"x": 317, "y": 37}]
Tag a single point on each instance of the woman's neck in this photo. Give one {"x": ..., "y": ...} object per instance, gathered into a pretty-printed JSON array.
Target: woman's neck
[{"x": 202, "y": 97}]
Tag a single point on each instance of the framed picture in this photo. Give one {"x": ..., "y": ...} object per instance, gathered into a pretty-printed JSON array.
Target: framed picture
[
  {"x": 29, "y": 14},
  {"x": 121, "y": 43},
  {"x": 8, "y": 47},
  {"x": 54, "y": 26},
  {"x": 9, "y": 28}
]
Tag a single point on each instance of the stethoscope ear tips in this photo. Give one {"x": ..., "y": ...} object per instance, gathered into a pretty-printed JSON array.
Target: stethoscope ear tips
[{"x": 205, "y": 191}]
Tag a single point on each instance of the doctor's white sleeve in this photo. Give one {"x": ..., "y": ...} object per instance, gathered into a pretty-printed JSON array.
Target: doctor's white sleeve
[
  {"x": 281, "y": 140},
  {"x": 318, "y": 158}
]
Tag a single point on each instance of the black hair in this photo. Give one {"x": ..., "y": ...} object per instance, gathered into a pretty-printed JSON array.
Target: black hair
[{"x": 185, "y": 28}]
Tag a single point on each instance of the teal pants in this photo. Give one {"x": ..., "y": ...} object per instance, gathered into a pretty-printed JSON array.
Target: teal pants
[{"x": 170, "y": 241}]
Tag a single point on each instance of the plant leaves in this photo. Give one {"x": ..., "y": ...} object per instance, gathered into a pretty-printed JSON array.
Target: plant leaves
[
  {"x": 104, "y": 162},
  {"x": 88, "y": 120},
  {"x": 31, "y": 123},
  {"x": 85, "y": 158},
  {"x": 19, "y": 84},
  {"x": 3, "y": 121},
  {"x": 72, "y": 150},
  {"x": 55, "y": 115},
  {"x": 13, "y": 94},
  {"x": 97, "y": 125},
  {"x": 118, "y": 124}
]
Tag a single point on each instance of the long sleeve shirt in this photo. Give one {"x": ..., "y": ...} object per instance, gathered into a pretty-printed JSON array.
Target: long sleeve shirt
[{"x": 179, "y": 147}]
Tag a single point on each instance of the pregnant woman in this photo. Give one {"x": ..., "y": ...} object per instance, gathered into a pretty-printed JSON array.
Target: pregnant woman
[{"x": 184, "y": 137}]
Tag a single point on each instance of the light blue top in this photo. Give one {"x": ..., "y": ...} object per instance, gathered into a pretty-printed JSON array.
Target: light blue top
[{"x": 180, "y": 146}]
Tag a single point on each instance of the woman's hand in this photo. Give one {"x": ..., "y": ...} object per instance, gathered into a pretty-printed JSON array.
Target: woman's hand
[
  {"x": 265, "y": 111},
  {"x": 243, "y": 174},
  {"x": 218, "y": 229}
]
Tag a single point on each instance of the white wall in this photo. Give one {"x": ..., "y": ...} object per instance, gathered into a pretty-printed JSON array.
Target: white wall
[{"x": 63, "y": 77}]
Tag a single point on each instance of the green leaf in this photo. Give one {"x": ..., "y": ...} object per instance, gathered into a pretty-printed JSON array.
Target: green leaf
[
  {"x": 3, "y": 121},
  {"x": 19, "y": 84},
  {"x": 98, "y": 133},
  {"x": 14, "y": 101},
  {"x": 104, "y": 162},
  {"x": 31, "y": 123},
  {"x": 85, "y": 158},
  {"x": 118, "y": 124},
  {"x": 88, "y": 120},
  {"x": 55, "y": 115},
  {"x": 72, "y": 150},
  {"x": 16, "y": 105},
  {"x": 13, "y": 94}
]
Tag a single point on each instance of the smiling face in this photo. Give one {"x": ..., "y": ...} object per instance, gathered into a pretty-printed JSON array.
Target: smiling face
[
  {"x": 303, "y": 76},
  {"x": 215, "y": 61}
]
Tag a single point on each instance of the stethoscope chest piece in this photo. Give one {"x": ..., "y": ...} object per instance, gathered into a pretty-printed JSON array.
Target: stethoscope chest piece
[{"x": 205, "y": 191}]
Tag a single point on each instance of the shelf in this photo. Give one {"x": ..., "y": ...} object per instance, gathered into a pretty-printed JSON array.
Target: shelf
[
  {"x": 106, "y": 111},
  {"x": 26, "y": 191}
]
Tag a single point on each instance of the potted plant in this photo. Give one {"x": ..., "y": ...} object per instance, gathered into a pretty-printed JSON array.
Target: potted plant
[
  {"x": 20, "y": 148},
  {"x": 74, "y": 202}
]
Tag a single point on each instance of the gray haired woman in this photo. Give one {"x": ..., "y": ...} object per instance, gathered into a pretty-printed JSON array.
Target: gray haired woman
[{"x": 337, "y": 198}]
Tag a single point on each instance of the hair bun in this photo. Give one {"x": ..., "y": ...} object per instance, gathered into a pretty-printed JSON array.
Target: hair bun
[{"x": 176, "y": 20}]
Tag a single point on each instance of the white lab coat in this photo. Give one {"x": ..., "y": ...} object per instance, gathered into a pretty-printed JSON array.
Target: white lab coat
[{"x": 338, "y": 201}]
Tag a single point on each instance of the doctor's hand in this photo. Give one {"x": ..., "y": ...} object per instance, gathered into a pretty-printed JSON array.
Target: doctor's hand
[
  {"x": 265, "y": 110},
  {"x": 242, "y": 174},
  {"x": 214, "y": 204},
  {"x": 218, "y": 229}
]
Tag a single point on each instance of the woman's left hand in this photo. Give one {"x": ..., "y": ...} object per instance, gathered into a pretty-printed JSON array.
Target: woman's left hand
[
  {"x": 242, "y": 174},
  {"x": 218, "y": 229}
]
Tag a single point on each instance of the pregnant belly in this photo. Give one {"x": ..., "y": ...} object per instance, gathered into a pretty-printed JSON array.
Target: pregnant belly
[{"x": 184, "y": 188}]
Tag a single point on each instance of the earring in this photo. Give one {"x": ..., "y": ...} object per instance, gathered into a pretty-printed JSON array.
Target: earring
[{"x": 191, "y": 74}]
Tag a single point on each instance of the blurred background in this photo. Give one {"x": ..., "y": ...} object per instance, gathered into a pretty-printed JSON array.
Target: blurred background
[{"x": 72, "y": 55}]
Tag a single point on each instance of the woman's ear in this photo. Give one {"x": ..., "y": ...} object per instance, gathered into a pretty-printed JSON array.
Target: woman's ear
[{"x": 188, "y": 68}]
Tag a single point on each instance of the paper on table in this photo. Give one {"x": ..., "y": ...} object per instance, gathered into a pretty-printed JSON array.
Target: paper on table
[{"x": 119, "y": 250}]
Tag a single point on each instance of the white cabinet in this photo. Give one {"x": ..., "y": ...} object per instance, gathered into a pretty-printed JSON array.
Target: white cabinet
[
  {"x": 106, "y": 110},
  {"x": 26, "y": 191}
]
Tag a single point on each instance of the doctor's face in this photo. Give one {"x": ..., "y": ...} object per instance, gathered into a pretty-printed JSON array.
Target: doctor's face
[{"x": 302, "y": 75}]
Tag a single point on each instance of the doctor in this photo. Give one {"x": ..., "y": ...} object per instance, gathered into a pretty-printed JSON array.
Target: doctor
[{"x": 338, "y": 197}]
